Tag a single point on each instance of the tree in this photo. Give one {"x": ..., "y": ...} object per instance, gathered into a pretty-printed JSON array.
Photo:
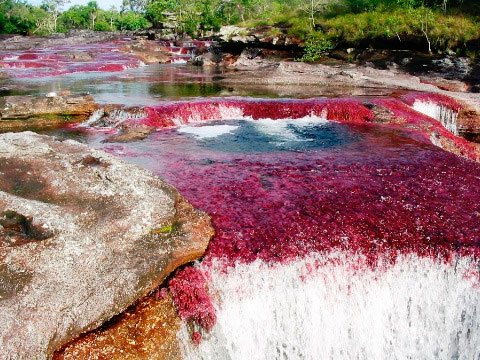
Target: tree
[
  {"x": 312, "y": 8},
  {"x": 423, "y": 18},
  {"x": 53, "y": 7},
  {"x": 93, "y": 9},
  {"x": 138, "y": 6}
]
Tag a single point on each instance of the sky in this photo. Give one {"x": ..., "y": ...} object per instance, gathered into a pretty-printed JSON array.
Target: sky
[{"x": 104, "y": 4}]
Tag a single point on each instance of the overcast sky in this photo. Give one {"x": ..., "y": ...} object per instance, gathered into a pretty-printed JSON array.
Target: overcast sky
[{"x": 104, "y": 4}]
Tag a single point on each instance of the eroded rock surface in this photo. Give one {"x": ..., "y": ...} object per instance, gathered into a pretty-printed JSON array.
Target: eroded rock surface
[
  {"x": 21, "y": 111},
  {"x": 83, "y": 235}
]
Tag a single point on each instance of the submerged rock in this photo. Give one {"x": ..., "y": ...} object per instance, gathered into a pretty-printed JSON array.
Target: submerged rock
[
  {"x": 83, "y": 235},
  {"x": 131, "y": 134}
]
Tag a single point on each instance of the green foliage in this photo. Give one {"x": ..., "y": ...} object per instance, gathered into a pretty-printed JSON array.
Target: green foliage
[
  {"x": 157, "y": 11},
  {"x": 131, "y": 21},
  {"x": 322, "y": 24},
  {"x": 315, "y": 48},
  {"x": 19, "y": 18},
  {"x": 442, "y": 31}
]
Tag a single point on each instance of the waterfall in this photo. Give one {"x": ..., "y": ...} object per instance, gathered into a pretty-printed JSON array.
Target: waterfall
[{"x": 332, "y": 307}]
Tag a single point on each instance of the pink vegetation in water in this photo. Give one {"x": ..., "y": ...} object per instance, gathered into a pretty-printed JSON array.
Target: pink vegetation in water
[
  {"x": 389, "y": 192},
  {"x": 172, "y": 114},
  {"x": 53, "y": 61},
  {"x": 190, "y": 296},
  {"x": 435, "y": 98}
]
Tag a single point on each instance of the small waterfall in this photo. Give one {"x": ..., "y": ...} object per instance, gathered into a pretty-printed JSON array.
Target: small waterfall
[
  {"x": 111, "y": 118},
  {"x": 177, "y": 113},
  {"x": 445, "y": 115},
  {"x": 439, "y": 107},
  {"x": 329, "y": 307}
]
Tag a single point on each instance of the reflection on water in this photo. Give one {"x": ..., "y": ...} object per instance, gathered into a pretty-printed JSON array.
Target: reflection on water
[
  {"x": 133, "y": 87},
  {"x": 147, "y": 85}
]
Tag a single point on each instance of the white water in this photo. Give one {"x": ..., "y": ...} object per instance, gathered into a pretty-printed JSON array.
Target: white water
[
  {"x": 283, "y": 129},
  {"x": 111, "y": 119},
  {"x": 417, "y": 309},
  {"x": 443, "y": 114},
  {"x": 207, "y": 131}
]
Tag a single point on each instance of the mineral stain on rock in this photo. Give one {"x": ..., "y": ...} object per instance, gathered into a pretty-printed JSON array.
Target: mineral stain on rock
[{"x": 12, "y": 281}]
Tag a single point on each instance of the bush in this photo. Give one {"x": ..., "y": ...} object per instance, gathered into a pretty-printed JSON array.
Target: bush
[{"x": 315, "y": 48}]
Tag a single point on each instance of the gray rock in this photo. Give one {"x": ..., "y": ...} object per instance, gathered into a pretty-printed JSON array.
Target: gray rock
[{"x": 83, "y": 235}]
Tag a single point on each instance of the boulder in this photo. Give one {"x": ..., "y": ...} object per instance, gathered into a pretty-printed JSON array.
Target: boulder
[
  {"x": 131, "y": 134},
  {"x": 77, "y": 55},
  {"x": 83, "y": 235}
]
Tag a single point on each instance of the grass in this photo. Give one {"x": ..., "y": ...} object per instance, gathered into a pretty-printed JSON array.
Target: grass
[{"x": 444, "y": 31}]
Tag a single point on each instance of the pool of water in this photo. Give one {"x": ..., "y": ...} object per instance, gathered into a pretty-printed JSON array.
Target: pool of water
[{"x": 353, "y": 241}]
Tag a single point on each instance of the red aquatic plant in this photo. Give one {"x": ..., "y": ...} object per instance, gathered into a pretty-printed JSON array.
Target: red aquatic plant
[
  {"x": 190, "y": 296},
  {"x": 175, "y": 113},
  {"x": 435, "y": 98}
]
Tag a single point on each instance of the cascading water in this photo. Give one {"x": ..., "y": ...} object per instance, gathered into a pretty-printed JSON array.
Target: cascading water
[
  {"x": 324, "y": 307},
  {"x": 436, "y": 106},
  {"x": 333, "y": 240}
]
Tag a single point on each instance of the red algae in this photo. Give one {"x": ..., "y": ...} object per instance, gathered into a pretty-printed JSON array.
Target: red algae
[
  {"x": 389, "y": 193},
  {"x": 435, "y": 98},
  {"x": 55, "y": 60},
  {"x": 172, "y": 114},
  {"x": 190, "y": 296}
]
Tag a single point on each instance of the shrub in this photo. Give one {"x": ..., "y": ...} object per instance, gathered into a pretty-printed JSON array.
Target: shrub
[{"x": 315, "y": 48}]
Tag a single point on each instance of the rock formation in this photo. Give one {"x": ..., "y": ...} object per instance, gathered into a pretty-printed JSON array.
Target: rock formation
[
  {"x": 53, "y": 109},
  {"x": 83, "y": 235}
]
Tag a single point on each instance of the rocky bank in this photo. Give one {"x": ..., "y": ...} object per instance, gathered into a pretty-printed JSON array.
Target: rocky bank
[{"x": 83, "y": 235}]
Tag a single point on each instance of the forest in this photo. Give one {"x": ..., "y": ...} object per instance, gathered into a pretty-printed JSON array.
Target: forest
[{"x": 320, "y": 24}]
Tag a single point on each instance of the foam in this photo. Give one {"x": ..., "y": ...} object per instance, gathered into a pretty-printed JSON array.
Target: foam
[
  {"x": 328, "y": 307},
  {"x": 284, "y": 129},
  {"x": 207, "y": 131}
]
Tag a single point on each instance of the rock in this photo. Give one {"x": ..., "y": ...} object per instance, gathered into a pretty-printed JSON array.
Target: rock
[
  {"x": 452, "y": 67},
  {"x": 26, "y": 106},
  {"x": 131, "y": 134},
  {"x": 445, "y": 84},
  {"x": 150, "y": 52},
  {"x": 113, "y": 116},
  {"x": 147, "y": 331},
  {"x": 259, "y": 36},
  {"x": 207, "y": 59},
  {"x": 234, "y": 33},
  {"x": 77, "y": 55},
  {"x": 153, "y": 57},
  {"x": 83, "y": 235},
  {"x": 475, "y": 89},
  {"x": 77, "y": 37},
  {"x": 251, "y": 53}
]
